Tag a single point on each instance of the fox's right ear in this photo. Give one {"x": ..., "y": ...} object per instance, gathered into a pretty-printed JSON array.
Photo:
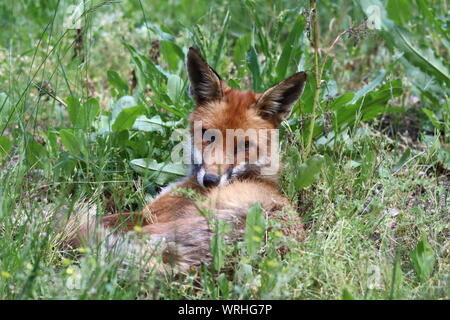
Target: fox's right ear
[
  {"x": 276, "y": 103},
  {"x": 206, "y": 84}
]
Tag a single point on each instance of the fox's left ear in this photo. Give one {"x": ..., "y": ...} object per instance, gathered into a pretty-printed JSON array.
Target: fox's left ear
[
  {"x": 206, "y": 84},
  {"x": 276, "y": 103}
]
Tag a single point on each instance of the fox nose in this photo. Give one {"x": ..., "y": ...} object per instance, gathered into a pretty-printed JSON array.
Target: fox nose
[{"x": 210, "y": 180}]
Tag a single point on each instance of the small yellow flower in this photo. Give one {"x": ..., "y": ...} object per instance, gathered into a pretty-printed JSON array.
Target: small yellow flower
[
  {"x": 5, "y": 274},
  {"x": 257, "y": 229},
  {"x": 278, "y": 234},
  {"x": 137, "y": 228},
  {"x": 256, "y": 238},
  {"x": 245, "y": 260},
  {"x": 92, "y": 261},
  {"x": 29, "y": 266},
  {"x": 271, "y": 263},
  {"x": 66, "y": 262},
  {"x": 70, "y": 271},
  {"x": 82, "y": 250}
]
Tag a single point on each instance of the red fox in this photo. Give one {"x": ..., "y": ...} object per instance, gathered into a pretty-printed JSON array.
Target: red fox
[{"x": 229, "y": 186}]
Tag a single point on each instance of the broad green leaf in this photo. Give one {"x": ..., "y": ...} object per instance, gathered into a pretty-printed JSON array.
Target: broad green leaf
[
  {"x": 403, "y": 40},
  {"x": 434, "y": 120},
  {"x": 218, "y": 245},
  {"x": 341, "y": 101},
  {"x": 162, "y": 35},
  {"x": 123, "y": 103},
  {"x": 5, "y": 146},
  {"x": 70, "y": 141},
  {"x": 82, "y": 115},
  {"x": 404, "y": 158},
  {"x": 170, "y": 168},
  {"x": 153, "y": 124},
  {"x": 74, "y": 109},
  {"x": 289, "y": 47},
  {"x": 90, "y": 110},
  {"x": 175, "y": 87},
  {"x": 117, "y": 82},
  {"x": 369, "y": 87},
  {"x": 255, "y": 227},
  {"x": 127, "y": 117},
  {"x": 346, "y": 295},
  {"x": 399, "y": 11},
  {"x": 240, "y": 49},
  {"x": 253, "y": 65},
  {"x": 36, "y": 154},
  {"x": 423, "y": 259},
  {"x": 65, "y": 165},
  {"x": 224, "y": 285},
  {"x": 425, "y": 59},
  {"x": 172, "y": 54},
  {"x": 369, "y": 105},
  {"x": 148, "y": 72},
  {"x": 309, "y": 172}
]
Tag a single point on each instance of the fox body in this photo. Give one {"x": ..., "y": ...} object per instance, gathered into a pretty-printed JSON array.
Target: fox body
[{"x": 229, "y": 182}]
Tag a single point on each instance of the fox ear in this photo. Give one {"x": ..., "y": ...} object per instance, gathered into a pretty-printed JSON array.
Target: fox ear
[
  {"x": 205, "y": 82},
  {"x": 276, "y": 103}
]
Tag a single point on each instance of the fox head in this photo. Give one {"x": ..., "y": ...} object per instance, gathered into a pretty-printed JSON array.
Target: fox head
[{"x": 233, "y": 132}]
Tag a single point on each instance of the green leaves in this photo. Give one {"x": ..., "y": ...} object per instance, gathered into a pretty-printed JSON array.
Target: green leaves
[
  {"x": 309, "y": 172},
  {"x": 147, "y": 71},
  {"x": 218, "y": 245},
  {"x": 253, "y": 65},
  {"x": 82, "y": 115},
  {"x": 346, "y": 295},
  {"x": 370, "y": 104},
  {"x": 290, "y": 45},
  {"x": 432, "y": 117},
  {"x": 163, "y": 171},
  {"x": 399, "y": 10},
  {"x": 5, "y": 146},
  {"x": 400, "y": 38},
  {"x": 170, "y": 168},
  {"x": 423, "y": 259},
  {"x": 403, "y": 159},
  {"x": 117, "y": 82},
  {"x": 425, "y": 59},
  {"x": 35, "y": 153},
  {"x": 172, "y": 53},
  {"x": 70, "y": 141},
  {"x": 240, "y": 49},
  {"x": 127, "y": 117},
  {"x": 397, "y": 278},
  {"x": 255, "y": 226},
  {"x": 175, "y": 87}
]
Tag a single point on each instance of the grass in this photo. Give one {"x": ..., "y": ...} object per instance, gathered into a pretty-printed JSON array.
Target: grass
[{"x": 375, "y": 205}]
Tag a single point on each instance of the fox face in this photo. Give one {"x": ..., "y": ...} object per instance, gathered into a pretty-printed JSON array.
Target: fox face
[{"x": 234, "y": 132}]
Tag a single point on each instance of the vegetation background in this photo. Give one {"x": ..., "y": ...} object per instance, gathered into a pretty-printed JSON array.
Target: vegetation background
[{"x": 92, "y": 91}]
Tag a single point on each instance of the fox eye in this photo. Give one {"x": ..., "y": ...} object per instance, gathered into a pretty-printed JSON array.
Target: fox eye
[
  {"x": 243, "y": 146},
  {"x": 210, "y": 139}
]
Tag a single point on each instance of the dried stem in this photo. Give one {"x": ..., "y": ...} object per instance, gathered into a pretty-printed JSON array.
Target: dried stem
[{"x": 315, "y": 26}]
